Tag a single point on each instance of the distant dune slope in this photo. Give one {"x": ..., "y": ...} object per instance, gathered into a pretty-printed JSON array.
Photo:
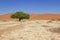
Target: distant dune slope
[
  {"x": 33, "y": 16},
  {"x": 44, "y": 16},
  {"x": 5, "y": 17}
]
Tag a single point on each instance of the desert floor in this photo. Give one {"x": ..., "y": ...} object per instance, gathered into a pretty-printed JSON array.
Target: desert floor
[{"x": 30, "y": 30}]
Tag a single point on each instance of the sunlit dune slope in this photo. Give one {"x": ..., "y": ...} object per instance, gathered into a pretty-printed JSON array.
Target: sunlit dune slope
[{"x": 33, "y": 16}]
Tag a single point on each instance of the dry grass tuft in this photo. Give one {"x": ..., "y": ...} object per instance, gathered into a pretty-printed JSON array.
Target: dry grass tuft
[
  {"x": 55, "y": 30},
  {"x": 58, "y": 19},
  {"x": 49, "y": 21},
  {"x": 45, "y": 26}
]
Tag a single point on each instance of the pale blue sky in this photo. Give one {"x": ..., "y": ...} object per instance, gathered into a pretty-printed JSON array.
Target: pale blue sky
[{"x": 30, "y": 6}]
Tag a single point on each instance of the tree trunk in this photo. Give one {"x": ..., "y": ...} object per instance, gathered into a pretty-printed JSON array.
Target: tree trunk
[{"x": 19, "y": 19}]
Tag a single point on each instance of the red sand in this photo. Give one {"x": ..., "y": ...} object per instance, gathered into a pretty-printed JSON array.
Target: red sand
[
  {"x": 34, "y": 16},
  {"x": 44, "y": 16},
  {"x": 5, "y": 17}
]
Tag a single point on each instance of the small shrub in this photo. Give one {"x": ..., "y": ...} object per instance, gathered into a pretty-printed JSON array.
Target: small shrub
[
  {"x": 45, "y": 26},
  {"x": 4, "y": 20},
  {"x": 49, "y": 21},
  {"x": 53, "y": 19},
  {"x": 58, "y": 19},
  {"x": 55, "y": 30}
]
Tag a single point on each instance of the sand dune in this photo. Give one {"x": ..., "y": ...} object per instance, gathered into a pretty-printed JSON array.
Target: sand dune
[
  {"x": 44, "y": 16},
  {"x": 33, "y": 16},
  {"x": 5, "y": 17}
]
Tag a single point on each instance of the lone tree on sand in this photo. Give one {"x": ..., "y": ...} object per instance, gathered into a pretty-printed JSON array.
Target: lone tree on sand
[{"x": 20, "y": 15}]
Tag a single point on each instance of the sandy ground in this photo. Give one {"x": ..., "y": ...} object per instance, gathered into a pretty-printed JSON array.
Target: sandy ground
[{"x": 30, "y": 30}]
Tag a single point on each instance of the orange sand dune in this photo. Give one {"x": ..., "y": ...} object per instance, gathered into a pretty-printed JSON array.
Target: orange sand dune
[
  {"x": 5, "y": 17},
  {"x": 34, "y": 16},
  {"x": 44, "y": 16}
]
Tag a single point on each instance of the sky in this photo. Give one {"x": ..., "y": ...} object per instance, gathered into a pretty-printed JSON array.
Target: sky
[{"x": 30, "y": 6}]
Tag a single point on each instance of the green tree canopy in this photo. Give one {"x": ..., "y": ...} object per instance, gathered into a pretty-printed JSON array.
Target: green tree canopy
[{"x": 20, "y": 15}]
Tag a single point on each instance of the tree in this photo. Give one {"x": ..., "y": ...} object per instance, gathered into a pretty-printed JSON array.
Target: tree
[{"x": 20, "y": 15}]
